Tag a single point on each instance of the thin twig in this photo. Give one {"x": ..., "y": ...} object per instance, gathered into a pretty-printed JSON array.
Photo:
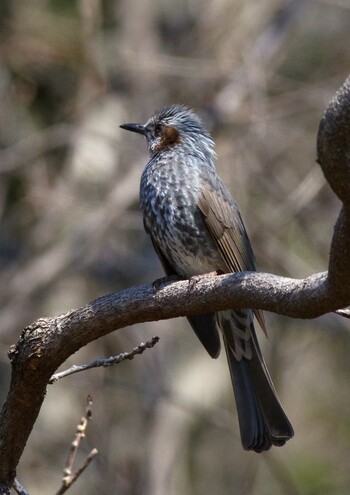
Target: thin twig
[
  {"x": 68, "y": 476},
  {"x": 80, "y": 433},
  {"x": 19, "y": 488},
  {"x": 105, "y": 362},
  {"x": 343, "y": 312},
  {"x": 69, "y": 480}
]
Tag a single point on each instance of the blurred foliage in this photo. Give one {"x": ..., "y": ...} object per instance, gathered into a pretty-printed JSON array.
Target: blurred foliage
[{"x": 261, "y": 75}]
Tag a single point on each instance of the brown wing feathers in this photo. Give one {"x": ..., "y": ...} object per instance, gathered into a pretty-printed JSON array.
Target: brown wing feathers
[{"x": 226, "y": 228}]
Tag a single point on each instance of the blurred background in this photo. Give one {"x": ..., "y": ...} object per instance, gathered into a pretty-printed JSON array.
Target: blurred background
[{"x": 260, "y": 74}]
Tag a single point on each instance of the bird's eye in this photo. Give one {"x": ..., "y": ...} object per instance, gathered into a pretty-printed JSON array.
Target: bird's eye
[{"x": 158, "y": 128}]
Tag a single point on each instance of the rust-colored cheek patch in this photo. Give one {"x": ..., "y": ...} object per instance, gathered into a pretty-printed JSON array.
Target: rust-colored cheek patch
[{"x": 170, "y": 136}]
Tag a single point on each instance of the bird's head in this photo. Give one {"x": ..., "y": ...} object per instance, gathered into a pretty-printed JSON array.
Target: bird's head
[{"x": 175, "y": 126}]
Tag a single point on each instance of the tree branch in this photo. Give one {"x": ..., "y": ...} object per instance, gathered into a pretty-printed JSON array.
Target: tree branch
[
  {"x": 19, "y": 488},
  {"x": 68, "y": 476},
  {"x": 105, "y": 362},
  {"x": 333, "y": 145},
  {"x": 47, "y": 343}
]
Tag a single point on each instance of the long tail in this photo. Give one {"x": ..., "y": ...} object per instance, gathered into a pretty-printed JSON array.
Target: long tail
[{"x": 262, "y": 420}]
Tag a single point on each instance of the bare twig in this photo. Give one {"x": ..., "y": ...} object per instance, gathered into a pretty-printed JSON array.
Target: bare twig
[
  {"x": 69, "y": 480},
  {"x": 105, "y": 362},
  {"x": 19, "y": 488},
  {"x": 68, "y": 476},
  {"x": 343, "y": 312}
]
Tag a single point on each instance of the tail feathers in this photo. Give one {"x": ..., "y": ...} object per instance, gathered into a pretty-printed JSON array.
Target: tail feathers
[
  {"x": 207, "y": 331},
  {"x": 262, "y": 420}
]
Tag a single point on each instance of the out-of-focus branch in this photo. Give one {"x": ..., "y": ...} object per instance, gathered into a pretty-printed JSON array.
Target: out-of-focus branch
[
  {"x": 263, "y": 50},
  {"x": 31, "y": 148},
  {"x": 48, "y": 342}
]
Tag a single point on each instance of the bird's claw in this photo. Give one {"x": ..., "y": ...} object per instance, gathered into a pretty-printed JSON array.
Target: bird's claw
[{"x": 196, "y": 278}]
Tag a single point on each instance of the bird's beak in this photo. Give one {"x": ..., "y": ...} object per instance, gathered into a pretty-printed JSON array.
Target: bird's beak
[{"x": 139, "y": 128}]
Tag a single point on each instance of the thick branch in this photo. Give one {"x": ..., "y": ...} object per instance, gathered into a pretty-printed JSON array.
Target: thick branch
[
  {"x": 333, "y": 143},
  {"x": 47, "y": 343},
  {"x": 333, "y": 149}
]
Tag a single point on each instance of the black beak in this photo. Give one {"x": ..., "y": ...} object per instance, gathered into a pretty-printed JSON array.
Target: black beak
[{"x": 139, "y": 128}]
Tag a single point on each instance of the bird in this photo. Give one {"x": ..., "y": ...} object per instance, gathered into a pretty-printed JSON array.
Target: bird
[{"x": 196, "y": 228}]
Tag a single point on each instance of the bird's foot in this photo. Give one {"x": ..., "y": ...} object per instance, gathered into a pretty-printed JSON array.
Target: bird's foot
[
  {"x": 196, "y": 278},
  {"x": 157, "y": 284}
]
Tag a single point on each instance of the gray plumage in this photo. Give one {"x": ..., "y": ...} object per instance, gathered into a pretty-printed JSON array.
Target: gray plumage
[{"x": 196, "y": 227}]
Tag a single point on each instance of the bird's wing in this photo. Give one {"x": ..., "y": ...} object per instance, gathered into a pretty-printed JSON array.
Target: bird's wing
[
  {"x": 225, "y": 225},
  {"x": 204, "y": 326}
]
